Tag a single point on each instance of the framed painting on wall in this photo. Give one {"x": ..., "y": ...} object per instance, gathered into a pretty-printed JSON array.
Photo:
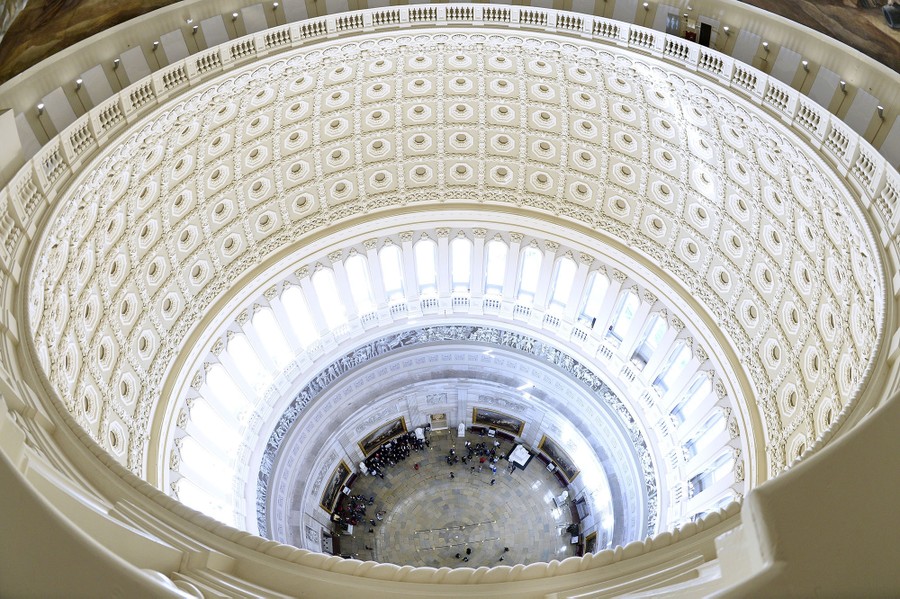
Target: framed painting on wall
[
  {"x": 333, "y": 488},
  {"x": 381, "y": 435},
  {"x": 590, "y": 543},
  {"x": 558, "y": 456},
  {"x": 499, "y": 420}
]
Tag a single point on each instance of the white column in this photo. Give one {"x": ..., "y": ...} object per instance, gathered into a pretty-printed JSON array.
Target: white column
[
  {"x": 443, "y": 262},
  {"x": 578, "y": 284},
  {"x": 638, "y": 324},
  {"x": 665, "y": 346},
  {"x": 375, "y": 277},
  {"x": 234, "y": 373},
  {"x": 284, "y": 321},
  {"x": 343, "y": 283},
  {"x": 704, "y": 410},
  {"x": 410, "y": 282},
  {"x": 476, "y": 282},
  {"x": 616, "y": 281},
  {"x": 512, "y": 267},
  {"x": 312, "y": 302},
  {"x": 547, "y": 265},
  {"x": 682, "y": 381},
  {"x": 259, "y": 347},
  {"x": 206, "y": 394}
]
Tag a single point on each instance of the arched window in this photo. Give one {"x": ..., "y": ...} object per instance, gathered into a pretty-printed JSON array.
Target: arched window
[
  {"x": 598, "y": 284},
  {"x": 678, "y": 359},
  {"x": 221, "y": 434},
  {"x": 194, "y": 497},
  {"x": 529, "y": 273},
  {"x": 623, "y": 314},
  {"x": 221, "y": 390},
  {"x": 269, "y": 330},
  {"x": 650, "y": 338},
  {"x": 329, "y": 299},
  {"x": 705, "y": 434},
  {"x": 699, "y": 389},
  {"x": 360, "y": 284},
  {"x": 392, "y": 272},
  {"x": 563, "y": 279},
  {"x": 298, "y": 315},
  {"x": 247, "y": 362},
  {"x": 425, "y": 252},
  {"x": 495, "y": 267},
  {"x": 460, "y": 264},
  {"x": 207, "y": 465},
  {"x": 710, "y": 475}
]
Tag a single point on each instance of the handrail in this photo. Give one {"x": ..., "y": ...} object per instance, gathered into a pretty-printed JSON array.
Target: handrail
[{"x": 43, "y": 178}]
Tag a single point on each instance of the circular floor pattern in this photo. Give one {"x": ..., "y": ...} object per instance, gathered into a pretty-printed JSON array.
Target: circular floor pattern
[{"x": 430, "y": 517}]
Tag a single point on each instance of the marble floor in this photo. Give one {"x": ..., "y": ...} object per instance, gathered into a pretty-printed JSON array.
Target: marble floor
[{"x": 431, "y": 517}]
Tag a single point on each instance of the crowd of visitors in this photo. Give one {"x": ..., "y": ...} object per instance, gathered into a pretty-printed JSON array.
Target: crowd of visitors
[{"x": 395, "y": 451}]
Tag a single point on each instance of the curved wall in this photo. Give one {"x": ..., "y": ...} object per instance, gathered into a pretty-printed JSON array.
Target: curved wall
[{"x": 29, "y": 420}]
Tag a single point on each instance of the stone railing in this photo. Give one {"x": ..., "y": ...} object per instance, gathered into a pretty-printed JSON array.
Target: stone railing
[{"x": 36, "y": 186}]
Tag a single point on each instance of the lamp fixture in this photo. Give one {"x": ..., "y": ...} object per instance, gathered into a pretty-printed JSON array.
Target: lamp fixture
[
  {"x": 805, "y": 64},
  {"x": 116, "y": 63},
  {"x": 843, "y": 86},
  {"x": 40, "y": 108},
  {"x": 234, "y": 16},
  {"x": 765, "y": 46},
  {"x": 274, "y": 6},
  {"x": 194, "y": 29},
  {"x": 880, "y": 109},
  {"x": 155, "y": 45},
  {"x": 727, "y": 30},
  {"x": 646, "y": 6},
  {"x": 78, "y": 83}
]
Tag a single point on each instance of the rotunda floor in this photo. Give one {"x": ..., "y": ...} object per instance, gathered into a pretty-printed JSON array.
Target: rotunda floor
[{"x": 430, "y": 517}]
